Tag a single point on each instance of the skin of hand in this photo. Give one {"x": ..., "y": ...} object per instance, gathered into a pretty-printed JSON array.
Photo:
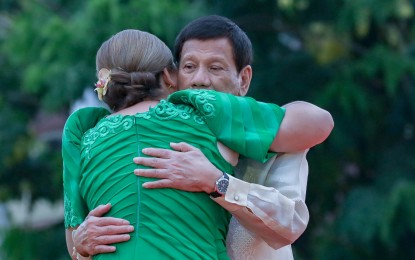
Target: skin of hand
[
  {"x": 96, "y": 233},
  {"x": 176, "y": 169}
]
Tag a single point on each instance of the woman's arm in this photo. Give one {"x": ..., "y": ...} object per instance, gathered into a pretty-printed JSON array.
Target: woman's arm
[
  {"x": 255, "y": 128},
  {"x": 303, "y": 126},
  {"x": 76, "y": 125}
]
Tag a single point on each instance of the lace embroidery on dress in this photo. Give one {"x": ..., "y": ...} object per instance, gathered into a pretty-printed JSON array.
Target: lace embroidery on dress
[
  {"x": 201, "y": 100},
  {"x": 164, "y": 110},
  {"x": 71, "y": 220},
  {"x": 110, "y": 125}
]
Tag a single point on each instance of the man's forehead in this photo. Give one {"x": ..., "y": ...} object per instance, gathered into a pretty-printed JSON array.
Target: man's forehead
[
  {"x": 213, "y": 48},
  {"x": 191, "y": 55}
]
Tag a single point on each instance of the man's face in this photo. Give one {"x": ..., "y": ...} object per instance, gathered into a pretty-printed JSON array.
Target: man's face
[{"x": 209, "y": 64}]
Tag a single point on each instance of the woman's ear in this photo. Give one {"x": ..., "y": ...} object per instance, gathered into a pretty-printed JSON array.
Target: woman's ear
[{"x": 170, "y": 79}]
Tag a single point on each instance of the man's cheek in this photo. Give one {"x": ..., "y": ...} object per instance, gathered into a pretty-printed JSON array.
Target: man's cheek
[{"x": 182, "y": 83}]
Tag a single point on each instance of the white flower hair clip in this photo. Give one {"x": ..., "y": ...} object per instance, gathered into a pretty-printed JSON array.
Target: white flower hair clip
[{"x": 101, "y": 86}]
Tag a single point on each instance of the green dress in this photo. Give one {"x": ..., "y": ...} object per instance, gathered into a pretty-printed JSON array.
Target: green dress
[{"x": 169, "y": 223}]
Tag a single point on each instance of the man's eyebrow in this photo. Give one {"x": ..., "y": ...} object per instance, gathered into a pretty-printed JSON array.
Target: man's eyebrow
[
  {"x": 218, "y": 58},
  {"x": 188, "y": 56}
]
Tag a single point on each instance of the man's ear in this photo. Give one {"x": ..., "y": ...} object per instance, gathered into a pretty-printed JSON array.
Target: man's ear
[
  {"x": 245, "y": 78},
  {"x": 170, "y": 79}
]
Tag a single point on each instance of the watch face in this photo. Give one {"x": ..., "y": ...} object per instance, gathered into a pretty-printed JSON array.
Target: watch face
[{"x": 223, "y": 186}]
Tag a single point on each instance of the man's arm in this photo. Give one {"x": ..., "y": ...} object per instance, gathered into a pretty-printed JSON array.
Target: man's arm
[
  {"x": 96, "y": 233},
  {"x": 276, "y": 211}
]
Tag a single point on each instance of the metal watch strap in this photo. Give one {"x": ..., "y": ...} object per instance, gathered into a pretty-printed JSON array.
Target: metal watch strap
[{"x": 217, "y": 193}]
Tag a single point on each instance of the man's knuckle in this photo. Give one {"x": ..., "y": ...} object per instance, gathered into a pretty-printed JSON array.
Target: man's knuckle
[
  {"x": 110, "y": 230},
  {"x": 154, "y": 161},
  {"x": 95, "y": 250}
]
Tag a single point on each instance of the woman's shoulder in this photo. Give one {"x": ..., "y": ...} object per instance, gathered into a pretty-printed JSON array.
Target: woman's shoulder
[
  {"x": 88, "y": 112},
  {"x": 83, "y": 119}
]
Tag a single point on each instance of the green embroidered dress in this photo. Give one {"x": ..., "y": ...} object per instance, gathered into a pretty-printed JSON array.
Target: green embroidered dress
[{"x": 169, "y": 223}]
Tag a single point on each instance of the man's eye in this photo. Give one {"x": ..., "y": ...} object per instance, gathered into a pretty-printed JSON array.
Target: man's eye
[
  {"x": 215, "y": 68},
  {"x": 188, "y": 67}
]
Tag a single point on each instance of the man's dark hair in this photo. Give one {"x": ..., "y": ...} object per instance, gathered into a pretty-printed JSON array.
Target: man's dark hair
[{"x": 216, "y": 27}]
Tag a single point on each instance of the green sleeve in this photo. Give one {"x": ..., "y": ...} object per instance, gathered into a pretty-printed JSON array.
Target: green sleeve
[
  {"x": 241, "y": 123},
  {"x": 76, "y": 125}
]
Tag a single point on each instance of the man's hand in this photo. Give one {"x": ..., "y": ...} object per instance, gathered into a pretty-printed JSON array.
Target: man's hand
[
  {"x": 186, "y": 168},
  {"x": 95, "y": 234}
]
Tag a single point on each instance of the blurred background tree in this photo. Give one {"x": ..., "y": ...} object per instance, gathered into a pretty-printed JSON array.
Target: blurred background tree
[{"x": 354, "y": 58}]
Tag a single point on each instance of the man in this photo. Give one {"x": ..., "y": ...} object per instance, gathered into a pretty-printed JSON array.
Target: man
[{"x": 214, "y": 53}]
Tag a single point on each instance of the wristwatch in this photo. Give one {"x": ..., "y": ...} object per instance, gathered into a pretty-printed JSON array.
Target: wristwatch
[{"x": 221, "y": 186}]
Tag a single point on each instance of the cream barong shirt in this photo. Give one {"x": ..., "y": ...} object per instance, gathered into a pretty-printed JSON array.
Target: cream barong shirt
[{"x": 267, "y": 202}]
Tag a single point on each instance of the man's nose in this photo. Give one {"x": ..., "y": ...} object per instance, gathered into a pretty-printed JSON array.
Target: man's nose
[{"x": 201, "y": 79}]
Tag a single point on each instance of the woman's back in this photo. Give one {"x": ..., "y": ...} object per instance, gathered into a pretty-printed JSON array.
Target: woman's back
[{"x": 168, "y": 223}]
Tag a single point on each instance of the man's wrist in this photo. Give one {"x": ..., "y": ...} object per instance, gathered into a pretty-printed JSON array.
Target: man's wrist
[
  {"x": 212, "y": 182},
  {"x": 80, "y": 257},
  {"x": 221, "y": 186},
  {"x": 75, "y": 253}
]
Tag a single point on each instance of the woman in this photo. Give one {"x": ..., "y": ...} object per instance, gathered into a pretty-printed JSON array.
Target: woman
[{"x": 136, "y": 71}]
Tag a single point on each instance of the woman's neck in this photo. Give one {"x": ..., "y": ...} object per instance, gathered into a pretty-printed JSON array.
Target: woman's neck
[{"x": 140, "y": 107}]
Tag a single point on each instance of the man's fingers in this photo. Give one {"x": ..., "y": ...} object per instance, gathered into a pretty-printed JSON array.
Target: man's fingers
[
  {"x": 183, "y": 147},
  {"x": 105, "y": 221},
  {"x": 158, "y": 152},
  {"x": 100, "y": 210},
  {"x": 106, "y": 240},
  {"x": 164, "y": 183},
  {"x": 152, "y": 173},
  {"x": 114, "y": 230},
  {"x": 150, "y": 162},
  {"x": 103, "y": 249}
]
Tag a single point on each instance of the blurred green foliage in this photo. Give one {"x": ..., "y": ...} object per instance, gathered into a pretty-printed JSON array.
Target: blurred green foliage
[
  {"x": 35, "y": 244},
  {"x": 354, "y": 58}
]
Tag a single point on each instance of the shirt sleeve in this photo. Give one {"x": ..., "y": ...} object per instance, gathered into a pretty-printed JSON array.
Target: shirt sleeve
[
  {"x": 76, "y": 125},
  {"x": 243, "y": 124},
  {"x": 275, "y": 211}
]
